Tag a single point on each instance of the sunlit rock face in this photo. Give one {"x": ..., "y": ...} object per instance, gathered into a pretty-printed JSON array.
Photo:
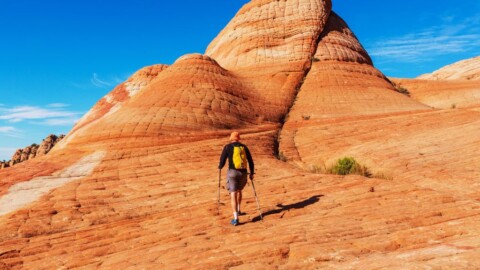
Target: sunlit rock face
[
  {"x": 121, "y": 93},
  {"x": 443, "y": 94},
  {"x": 135, "y": 183},
  {"x": 468, "y": 69}
]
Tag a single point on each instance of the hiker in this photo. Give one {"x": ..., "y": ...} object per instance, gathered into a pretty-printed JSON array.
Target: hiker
[{"x": 238, "y": 155}]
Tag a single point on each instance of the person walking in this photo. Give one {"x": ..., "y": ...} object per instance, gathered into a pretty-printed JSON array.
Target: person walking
[{"x": 238, "y": 155}]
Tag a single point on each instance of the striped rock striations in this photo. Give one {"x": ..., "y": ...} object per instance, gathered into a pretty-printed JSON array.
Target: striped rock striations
[
  {"x": 137, "y": 175},
  {"x": 342, "y": 83},
  {"x": 454, "y": 86},
  {"x": 444, "y": 94},
  {"x": 124, "y": 91},
  {"x": 269, "y": 46}
]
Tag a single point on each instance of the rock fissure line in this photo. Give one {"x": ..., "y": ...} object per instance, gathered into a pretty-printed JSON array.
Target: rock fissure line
[{"x": 298, "y": 87}]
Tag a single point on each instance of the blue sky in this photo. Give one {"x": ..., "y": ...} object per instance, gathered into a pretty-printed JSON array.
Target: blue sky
[{"x": 57, "y": 58}]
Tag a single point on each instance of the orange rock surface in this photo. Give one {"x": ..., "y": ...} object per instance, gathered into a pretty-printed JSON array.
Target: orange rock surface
[
  {"x": 444, "y": 94},
  {"x": 134, "y": 184}
]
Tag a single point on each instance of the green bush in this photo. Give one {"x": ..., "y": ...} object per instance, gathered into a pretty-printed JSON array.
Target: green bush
[{"x": 348, "y": 165}]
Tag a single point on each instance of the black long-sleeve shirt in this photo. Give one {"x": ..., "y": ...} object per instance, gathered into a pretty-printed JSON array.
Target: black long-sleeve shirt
[{"x": 228, "y": 153}]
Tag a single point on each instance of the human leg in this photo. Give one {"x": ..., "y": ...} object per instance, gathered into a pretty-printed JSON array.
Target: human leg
[
  {"x": 234, "y": 202},
  {"x": 239, "y": 200}
]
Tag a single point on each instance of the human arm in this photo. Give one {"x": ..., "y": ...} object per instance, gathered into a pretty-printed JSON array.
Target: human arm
[
  {"x": 251, "y": 164},
  {"x": 223, "y": 158}
]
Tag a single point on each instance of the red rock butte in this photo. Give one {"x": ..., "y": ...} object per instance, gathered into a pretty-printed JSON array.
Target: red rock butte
[{"x": 134, "y": 184}]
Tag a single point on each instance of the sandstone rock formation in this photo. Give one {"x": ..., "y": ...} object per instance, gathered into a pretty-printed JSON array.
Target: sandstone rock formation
[
  {"x": 444, "y": 94},
  {"x": 17, "y": 157},
  {"x": 468, "y": 69},
  {"x": 124, "y": 91},
  {"x": 47, "y": 144},
  {"x": 29, "y": 152},
  {"x": 32, "y": 151},
  {"x": 4, "y": 164},
  {"x": 138, "y": 174},
  {"x": 454, "y": 86}
]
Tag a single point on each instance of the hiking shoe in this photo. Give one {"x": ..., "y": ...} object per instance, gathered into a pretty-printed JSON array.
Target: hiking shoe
[
  {"x": 241, "y": 213},
  {"x": 234, "y": 222}
]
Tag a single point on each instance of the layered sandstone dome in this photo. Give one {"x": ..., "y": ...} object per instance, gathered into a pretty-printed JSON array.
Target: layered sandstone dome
[
  {"x": 134, "y": 184},
  {"x": 468, "y": 69}
]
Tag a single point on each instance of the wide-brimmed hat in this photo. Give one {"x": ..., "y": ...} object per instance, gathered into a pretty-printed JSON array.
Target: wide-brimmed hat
[{"x": 235, "y": 136}]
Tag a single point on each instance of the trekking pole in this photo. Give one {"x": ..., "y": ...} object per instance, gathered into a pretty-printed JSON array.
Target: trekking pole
[
  {"x": 256, "y": 198},
  {"x": 218, "y": 201}
]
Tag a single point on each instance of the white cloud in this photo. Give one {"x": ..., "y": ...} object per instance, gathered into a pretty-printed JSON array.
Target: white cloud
[
  {"x": 60, "y": 121},
  {"x": 100, "y": 83},
  {"x": 10, "y": 131},
  {"x": 95, "y": 80},
  {"x": 429, "y": 43},
  {"x": 57, "y": 105},
  {"x": 50, "y": 115}
]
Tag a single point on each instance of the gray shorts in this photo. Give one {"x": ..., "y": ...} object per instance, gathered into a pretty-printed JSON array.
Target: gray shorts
[{"x": 236, "y": 180}]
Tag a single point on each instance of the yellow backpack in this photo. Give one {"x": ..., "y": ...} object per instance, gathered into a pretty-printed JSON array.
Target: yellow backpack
[{"x": 239, "y": 157}]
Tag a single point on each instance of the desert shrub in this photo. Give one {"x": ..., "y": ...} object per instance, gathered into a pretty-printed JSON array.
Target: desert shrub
[
  {"x": 315, "y": 59},
  {"x": 402, "y": 90},
  {"x": 316, "y": 169},
  {"x": 306, "y": 117},
  {"x": 348, "y": 165},
  {"x": 454, "y": 106},
  {"x": 383, "y": 175}
]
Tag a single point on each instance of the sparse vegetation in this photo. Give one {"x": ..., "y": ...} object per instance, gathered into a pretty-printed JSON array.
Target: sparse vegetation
[
  {"x": 454, "y": 106},
  {"x": 316, "y": 169},
  {"x": 348, "y": 165},
  {"x": 306, "y": 117},
  {"x": 315, "y": 59},
  {"x": 402, "y": 90},
  {"x": 383, "y": 175}
]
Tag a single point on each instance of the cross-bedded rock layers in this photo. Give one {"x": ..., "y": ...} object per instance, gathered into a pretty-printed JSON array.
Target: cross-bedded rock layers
[{"x": 134, "y": 184}]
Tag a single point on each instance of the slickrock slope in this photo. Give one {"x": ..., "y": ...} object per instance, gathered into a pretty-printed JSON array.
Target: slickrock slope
[
  {"x": 444, "y": 94},
  {"x": 269, "y": 46},
  {"x": 124, "y": 91},
  {"x": 454, "y": 86},
  {"x": 342, "y": 83},
  {"x": 135, "y": 187},
  {"x": 468, "y": 69}
]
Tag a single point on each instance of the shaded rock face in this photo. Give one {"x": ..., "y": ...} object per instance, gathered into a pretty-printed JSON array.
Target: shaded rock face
[
  {"x": 468, "y": 69},
  {"x": 4, "y": 164},
  {"x": 47, "y": 144},
  {"x": 137, "y": 175},
  {"x": 17, "y": 157},
  {"x": 27, "y": 152}
]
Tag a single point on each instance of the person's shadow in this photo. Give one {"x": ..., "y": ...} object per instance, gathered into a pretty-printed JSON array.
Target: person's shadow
[{"x": 288, "y": 207}]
